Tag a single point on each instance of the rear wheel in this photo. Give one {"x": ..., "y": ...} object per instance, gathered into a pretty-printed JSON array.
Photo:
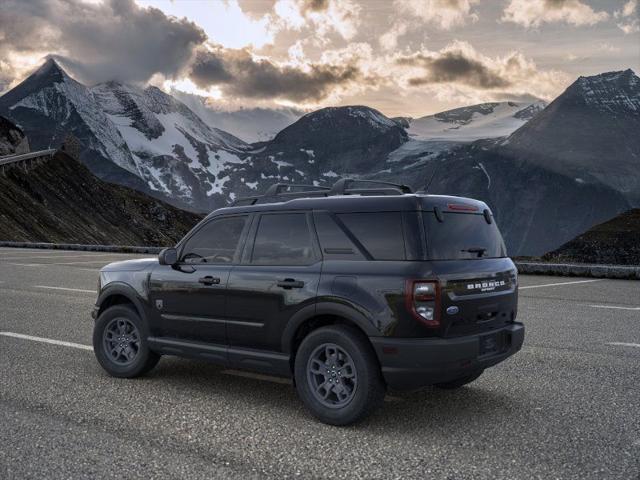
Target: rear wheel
[
  {"x": 337, "y": 375},
  {"x": 460, "y": 382},
  {"x": 120, "y": 343}
]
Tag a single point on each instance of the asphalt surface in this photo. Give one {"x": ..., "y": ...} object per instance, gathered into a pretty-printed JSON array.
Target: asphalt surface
[{"x": 567, "y": 406}]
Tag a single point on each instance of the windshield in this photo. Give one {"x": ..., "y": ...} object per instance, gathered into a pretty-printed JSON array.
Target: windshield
[{"x": 462, "y": 236}]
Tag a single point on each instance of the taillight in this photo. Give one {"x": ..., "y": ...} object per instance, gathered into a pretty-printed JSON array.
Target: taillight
[{"x": 423, "y": 301}]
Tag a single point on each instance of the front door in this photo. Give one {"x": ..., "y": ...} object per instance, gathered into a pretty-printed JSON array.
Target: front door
[
  {"x": 189, "y": 298},
  {"x": 278, "y": 276}
]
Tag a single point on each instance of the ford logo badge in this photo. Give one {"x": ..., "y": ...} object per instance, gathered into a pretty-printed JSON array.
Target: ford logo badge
[{"x": 452, "y": 310}]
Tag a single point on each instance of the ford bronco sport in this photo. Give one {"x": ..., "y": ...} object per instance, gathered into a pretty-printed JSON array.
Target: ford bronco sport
[{"x": 349, "y": 291}]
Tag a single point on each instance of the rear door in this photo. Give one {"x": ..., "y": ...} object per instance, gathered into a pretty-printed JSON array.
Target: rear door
[{"x": 278, "y": 276}]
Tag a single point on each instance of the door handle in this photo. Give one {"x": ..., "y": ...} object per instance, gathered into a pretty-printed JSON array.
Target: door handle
[
  {"x": 289, "y": 283},
  {"x": 209, "y": 280}
]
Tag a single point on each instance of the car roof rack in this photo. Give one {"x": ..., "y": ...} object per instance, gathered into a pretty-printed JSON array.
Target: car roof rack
[
  {"x": 342, "y": 187},
  {"x": 284, "y": 191},
  {"x": 280, "y": 191}
]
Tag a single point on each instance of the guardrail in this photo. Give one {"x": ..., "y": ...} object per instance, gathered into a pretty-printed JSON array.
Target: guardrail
[
  {"x": 77, "y": 246},
  {"x": 580, "y": 270},
  {"x": 13, "y": 159}
]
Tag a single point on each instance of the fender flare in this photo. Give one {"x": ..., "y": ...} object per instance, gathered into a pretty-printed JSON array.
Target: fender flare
[
  {"x": 348, "y": 312},
  {"x": 125, "y": 290}
]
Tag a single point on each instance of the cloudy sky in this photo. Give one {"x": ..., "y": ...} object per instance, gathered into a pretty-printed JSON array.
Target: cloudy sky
[{"x": 404, "y": 57}]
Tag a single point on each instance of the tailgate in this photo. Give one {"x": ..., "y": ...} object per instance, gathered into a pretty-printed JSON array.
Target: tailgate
[{"x": 476, "y": 295}]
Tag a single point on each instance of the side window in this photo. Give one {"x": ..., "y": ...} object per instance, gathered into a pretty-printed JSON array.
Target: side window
[
  {"x": 380, "y": 233},
  {"x": 216, "y": 242},
  {"x": 283, "y": 239},
  {"x": 335, "y": 243}
]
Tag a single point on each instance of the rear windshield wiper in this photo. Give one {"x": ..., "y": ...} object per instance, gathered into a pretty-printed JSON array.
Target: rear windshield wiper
[{"x": 479, "y": 250}]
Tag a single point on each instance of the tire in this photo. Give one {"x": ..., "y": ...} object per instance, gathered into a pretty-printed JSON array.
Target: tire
[
  {"x": 135, "y": 358},
  {"x": 348, "y": 360},
  {"x": 459, "y": 382}
]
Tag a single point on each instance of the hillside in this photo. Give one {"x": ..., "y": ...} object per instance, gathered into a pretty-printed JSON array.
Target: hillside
[
  {"x": 616, "y": 241},
  {"x": 591, "y": 132},
  {"x": 62, "y": 201}
]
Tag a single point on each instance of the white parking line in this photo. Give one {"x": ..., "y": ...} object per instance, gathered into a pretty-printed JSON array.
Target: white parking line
[
  {"x": 65, "y": 289},
  {"x": 623, "y": 344},
  {"x": 614, "y": 307},
  {"x": 47, "y": 340},
  {"x": 102, "y": 262},
  {"x": 30, "y": 257},
  {"x": 560, "y": 283}
]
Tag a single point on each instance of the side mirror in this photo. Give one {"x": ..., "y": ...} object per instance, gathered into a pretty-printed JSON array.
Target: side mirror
[{"x": 168, "y": 256}]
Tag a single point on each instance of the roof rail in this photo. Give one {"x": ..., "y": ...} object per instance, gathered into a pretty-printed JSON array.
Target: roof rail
[
  {"x": 279, "y": 188},
  {"x": 341, "y": 187},
  {"x": 282, "y": 191}
]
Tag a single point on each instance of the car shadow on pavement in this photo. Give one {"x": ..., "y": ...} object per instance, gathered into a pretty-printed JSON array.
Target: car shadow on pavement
[{"x": 475, "y": 404}]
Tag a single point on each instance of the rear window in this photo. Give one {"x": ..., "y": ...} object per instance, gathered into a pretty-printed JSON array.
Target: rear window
[
  {"x": 462, "y": 236},
  {"x": 379, "y": 233}
]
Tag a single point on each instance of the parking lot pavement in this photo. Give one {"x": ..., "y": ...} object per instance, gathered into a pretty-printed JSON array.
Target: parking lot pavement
[{"x": 566, "y": 406}]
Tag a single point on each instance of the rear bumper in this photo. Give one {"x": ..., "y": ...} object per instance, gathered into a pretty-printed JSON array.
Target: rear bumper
[{"x": 409, "y": 363}]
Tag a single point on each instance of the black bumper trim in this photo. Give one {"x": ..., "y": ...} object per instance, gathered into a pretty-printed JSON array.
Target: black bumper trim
[{"x": 410, "y": 363}]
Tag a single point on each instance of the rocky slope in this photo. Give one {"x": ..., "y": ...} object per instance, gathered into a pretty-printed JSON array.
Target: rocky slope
[
  {"x": 591, "y": 133},
  {"x": 544, "y": 182},
  {"x": 613, "y": 242},
  {"x": 12, "y": 139},
  {"x": 62, "y": 201}
]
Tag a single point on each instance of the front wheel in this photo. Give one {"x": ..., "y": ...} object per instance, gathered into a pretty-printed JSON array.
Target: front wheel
[
  {"x": 337, "y": 375},
  {"x": 120, "y": 343}
]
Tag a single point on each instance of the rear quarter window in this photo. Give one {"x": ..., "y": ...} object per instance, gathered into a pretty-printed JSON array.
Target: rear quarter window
[{"x": 380, "y": 233}]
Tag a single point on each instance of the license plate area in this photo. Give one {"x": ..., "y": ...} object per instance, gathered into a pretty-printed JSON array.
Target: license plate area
[{"x": 491, "y": 344}]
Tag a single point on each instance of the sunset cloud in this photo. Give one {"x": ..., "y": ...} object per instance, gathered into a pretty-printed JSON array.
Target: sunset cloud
[
  {"x": 401, "y": 56},
  {"x": 112, "y": 40},
  {"x": 533, "y": 13},
  {"x": 628, "y": 17},
  {"x": 443, "y": 13},
  {"x": 459, "y": 71},
  {"x": 239, "y": 73}
]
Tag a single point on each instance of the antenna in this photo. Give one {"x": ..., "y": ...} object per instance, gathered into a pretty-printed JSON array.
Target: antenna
[{"x": 433, "y": 175}]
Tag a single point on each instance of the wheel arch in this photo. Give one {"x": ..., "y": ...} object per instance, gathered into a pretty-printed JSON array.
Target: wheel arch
[
  {"x": 323, "y": 314},
  {"x": 119, "y": 294}
]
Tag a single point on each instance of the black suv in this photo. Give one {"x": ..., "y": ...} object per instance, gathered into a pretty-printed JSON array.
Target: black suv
[{"x": 349, "y": 291}]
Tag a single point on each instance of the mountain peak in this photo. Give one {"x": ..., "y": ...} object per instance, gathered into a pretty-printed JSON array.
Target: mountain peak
[
  {"x": 51, "y": 69},
  {"x": 619, "y": 90}
]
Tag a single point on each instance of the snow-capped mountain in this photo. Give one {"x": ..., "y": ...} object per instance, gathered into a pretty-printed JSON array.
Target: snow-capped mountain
[
  {"x": 141, "y": 138},
  {"x": 250, "y": 124},
  {"x": 52, "y": 103},
  {"x": 573, "y": 165},
  {"x": 590, "y": 132},
  {"x": 467, "y": 124},
  {"x": 174, "y": 151},
  {"x": 567, "y": 167}
]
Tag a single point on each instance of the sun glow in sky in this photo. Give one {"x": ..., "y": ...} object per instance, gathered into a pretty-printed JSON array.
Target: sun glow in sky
[{"x": 404, "y": 57}]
